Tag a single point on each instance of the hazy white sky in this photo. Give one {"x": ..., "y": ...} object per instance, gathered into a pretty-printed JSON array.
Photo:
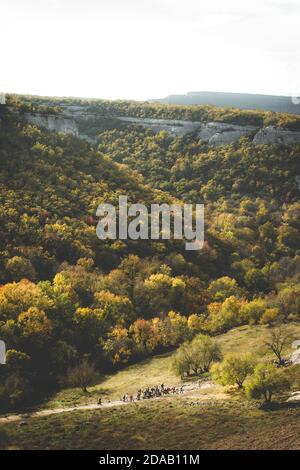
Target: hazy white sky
[{"x": 149, "y": 48}]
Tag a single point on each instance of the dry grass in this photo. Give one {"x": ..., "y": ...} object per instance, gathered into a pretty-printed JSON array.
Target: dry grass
[
  {"x": 177, "y": 423},
  {"x": 253, "y": 339}
]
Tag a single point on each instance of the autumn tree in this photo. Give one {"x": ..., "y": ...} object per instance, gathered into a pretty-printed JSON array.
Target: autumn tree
[
  {"x": 118, "y": 347},
  {"x": 224, "y": 287},
  {"x": 81, "y": 375}
]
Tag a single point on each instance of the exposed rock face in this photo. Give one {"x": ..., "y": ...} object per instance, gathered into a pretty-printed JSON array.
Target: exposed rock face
[
  {"x": 54, "y": 123},
  {"x": 214, "y": 133},
  {"x": 295, "y": 397},
  {"x": 218, "y": 133},
  {"x": 295, "y": 357},
  {"x": 2, "y": 352},
  {"x": 274, "y": 135},
  {"x": 173, "y": 127}
]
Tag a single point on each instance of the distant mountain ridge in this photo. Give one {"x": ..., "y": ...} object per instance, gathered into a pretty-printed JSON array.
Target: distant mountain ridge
[{"x": 283, "y": 104}]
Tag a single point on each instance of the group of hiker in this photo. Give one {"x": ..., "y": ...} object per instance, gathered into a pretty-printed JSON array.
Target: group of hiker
[{"x": 151, "y": 392}]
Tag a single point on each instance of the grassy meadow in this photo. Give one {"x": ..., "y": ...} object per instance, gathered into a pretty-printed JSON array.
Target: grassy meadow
[
  {"x": 170, "y": 423},
  {"x": 158, "y": 369},
  {"x": 216, "y": 418}
]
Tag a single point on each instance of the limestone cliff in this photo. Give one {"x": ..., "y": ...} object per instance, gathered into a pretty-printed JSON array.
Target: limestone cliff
[
  {"x": 218, "y": 133},
  {"x": 53, "y": 122},
  {"x": 275, "y": 135},
  {"x": 214, "y": 133},
  {"x": 173, "y": 127}
]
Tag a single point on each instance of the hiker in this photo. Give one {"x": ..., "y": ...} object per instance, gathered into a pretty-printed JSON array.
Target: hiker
[
  {"x": 100, "y": 401},
  {"x": 131, "y": 398}
]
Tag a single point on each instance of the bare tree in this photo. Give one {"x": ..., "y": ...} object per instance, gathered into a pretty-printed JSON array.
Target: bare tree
[
  {"x": 278, "y": 340},
  {"x": 82, "y": 375}
]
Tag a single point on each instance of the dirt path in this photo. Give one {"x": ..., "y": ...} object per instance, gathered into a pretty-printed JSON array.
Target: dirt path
[{"x": 110, "y": 404}]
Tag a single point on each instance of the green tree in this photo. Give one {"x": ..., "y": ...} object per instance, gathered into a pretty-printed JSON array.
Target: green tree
[
  {"x": 289, "y": 237},
  {"x": 224, "y": 287},
  {"x": 256, "y": 280},
  {"x": 19, "y": 267},
  {"x": 234, "y": 369},
  {"x": 163, "y": 292},
  {"x": 182, "y": 360},
  {"x": 265, "y": 381},
  {"x": 203, "y": 352},
  {"x": 252, "y": 312}
]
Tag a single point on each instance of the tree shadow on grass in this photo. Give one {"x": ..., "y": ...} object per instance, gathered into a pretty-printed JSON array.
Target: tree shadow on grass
[{"x": 276, "y": 406}]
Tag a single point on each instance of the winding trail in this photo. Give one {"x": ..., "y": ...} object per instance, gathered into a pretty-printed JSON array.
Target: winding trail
[{"x": 10, "y": 418}]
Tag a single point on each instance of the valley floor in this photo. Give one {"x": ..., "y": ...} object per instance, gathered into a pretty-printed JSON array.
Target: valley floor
[{"x": 205, "y": 416}]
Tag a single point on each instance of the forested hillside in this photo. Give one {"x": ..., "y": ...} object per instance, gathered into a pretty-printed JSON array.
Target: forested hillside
[
  {"x": 66, "y": 296},
  {"x": 238, "y": 100}
]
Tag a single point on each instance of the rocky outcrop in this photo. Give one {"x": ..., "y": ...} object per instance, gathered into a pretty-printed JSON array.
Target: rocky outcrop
[
  {"x": 54, "y": 122},
  {"x": 214, "y": 133},
  {"x": 275, "y": 135},
  {"x": 219, "y": 133},
  {"x": 295, "y": 357},
  {"x": 295, "y": 397},
  {"x": 173, "y": 127}
]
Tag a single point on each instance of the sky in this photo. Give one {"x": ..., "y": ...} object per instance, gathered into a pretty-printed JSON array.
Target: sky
[{"x": 143, "y": 49}]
